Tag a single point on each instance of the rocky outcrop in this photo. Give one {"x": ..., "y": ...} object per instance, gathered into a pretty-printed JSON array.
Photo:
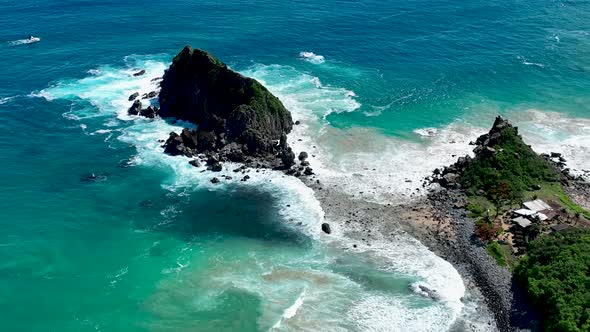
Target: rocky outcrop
[
  {"x": 502, "y": 161},
  {"x": 135, "y": 109},
  {"x": 150, "y": 95},
  {"x": 133, "y": 96},
  {"x": 237, "y": 117},
  {"x": 149, "y": 112}
]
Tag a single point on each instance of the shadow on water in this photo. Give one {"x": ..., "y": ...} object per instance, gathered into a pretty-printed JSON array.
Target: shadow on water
[
  {"x": 363, "y": 271},
  {"x": 236, "y": 211}
]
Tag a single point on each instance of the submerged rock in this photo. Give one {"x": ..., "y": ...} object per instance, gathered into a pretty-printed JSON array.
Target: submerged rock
[{"x": 139, "y": 73}]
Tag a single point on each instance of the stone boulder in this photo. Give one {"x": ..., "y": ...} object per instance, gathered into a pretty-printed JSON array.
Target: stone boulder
[
  {"x": 152, "y": 94},
  {"x": 149, "y": 112},
  {"x": 326, "y": 228},
  {"x": 302, "y": 156},
  {"x": 133, "y": 96},
  {"x": 174, "y": 146},
  {"x": 135, "y": 109}
]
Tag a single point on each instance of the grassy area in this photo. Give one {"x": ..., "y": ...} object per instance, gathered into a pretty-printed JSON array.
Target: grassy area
[
  {"x": 570, "y": 205},
  {"x": 502, "y": 254},
  {"x": 480, "y": 206},
  {"x": 494, "y": 249}
]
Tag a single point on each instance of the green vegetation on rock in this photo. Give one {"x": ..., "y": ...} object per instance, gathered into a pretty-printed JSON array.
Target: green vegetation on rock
[
  {"x": 225, "y": 105},
  {"x": 556, "y": 273},
  {"x": 504, "y": 166}
]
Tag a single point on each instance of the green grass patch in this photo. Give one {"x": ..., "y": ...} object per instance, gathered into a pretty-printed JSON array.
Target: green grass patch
[
  {"x": 479, "y": 206},
  {"x": 494, "y": 249},
  {"x": 571, "y": 206}
]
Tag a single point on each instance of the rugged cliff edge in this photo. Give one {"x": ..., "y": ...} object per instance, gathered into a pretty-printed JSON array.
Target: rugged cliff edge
[{"x": 237, "y": 117}]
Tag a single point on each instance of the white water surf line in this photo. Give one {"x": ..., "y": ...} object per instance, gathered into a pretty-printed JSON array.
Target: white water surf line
[{"x": 291, "y": 311}]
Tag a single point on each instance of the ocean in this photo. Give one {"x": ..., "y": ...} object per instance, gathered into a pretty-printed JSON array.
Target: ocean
[{"x": 100, "y": 231}]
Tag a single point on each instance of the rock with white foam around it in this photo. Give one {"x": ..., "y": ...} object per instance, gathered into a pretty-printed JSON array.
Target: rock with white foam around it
[
  {"x": 326, "y": 228},
  {"x": 135, "y": 109},
  {"x": 133, "y": 96}
]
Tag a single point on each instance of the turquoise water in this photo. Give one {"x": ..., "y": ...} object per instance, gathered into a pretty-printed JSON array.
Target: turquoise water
[{"x": 391, "y": 91}]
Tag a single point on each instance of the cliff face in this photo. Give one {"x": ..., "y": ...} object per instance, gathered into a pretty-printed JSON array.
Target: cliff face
[{"x": 226, "y": 106}]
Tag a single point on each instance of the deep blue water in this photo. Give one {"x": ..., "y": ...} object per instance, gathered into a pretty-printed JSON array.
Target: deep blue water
[{"x": 403, "y": 86}]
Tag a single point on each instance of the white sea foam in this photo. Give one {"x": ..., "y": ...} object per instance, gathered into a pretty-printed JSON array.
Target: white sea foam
[
  {"x": 528, "y": 63},
  {"x": 292, "y": 310},
  {"x": 312, "y": 57},
  {"x": 426, "y": 132},
  {"x": 24, "y": 41},
  {"x": 360, "y": 160},
  {"x": 555, "y": 132},
  {"x": 4, "y": 100}
]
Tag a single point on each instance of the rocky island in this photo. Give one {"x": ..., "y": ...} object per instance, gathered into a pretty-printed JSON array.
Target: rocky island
[{"x": 237, "y": 118}]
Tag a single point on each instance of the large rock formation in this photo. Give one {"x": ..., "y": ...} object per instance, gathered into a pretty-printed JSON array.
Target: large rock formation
[
  {"x": 503, "y": 163},
  {"x": 237, "y": 117}
]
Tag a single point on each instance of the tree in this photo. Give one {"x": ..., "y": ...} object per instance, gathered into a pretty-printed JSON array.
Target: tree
[{"x": 556, "y": 274}]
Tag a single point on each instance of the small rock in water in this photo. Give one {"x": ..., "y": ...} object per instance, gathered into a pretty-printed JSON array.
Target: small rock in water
[
  {"x": 195, "y": 163},
  {"x": 245, "y": 178},
  {"x": 150, "y": 95},
  {"x": 134, "y": 96},
  {"x": 326, "y": 228},
  {"x": 135, "y": 108},
  {"x": 303, "y": 155},
  {"x": 215, "y": 180},
  {"x": 139, "y": 73},
  {"x": 92, "y": 177}
]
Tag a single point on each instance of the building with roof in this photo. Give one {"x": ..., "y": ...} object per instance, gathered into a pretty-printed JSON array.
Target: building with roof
[{"x": 537, "y": 205}]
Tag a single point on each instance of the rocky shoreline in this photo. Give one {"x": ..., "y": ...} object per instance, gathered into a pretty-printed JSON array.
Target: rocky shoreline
[
  {"x": 440, "y": 225},
  {"x": 240, "y": 121}
]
